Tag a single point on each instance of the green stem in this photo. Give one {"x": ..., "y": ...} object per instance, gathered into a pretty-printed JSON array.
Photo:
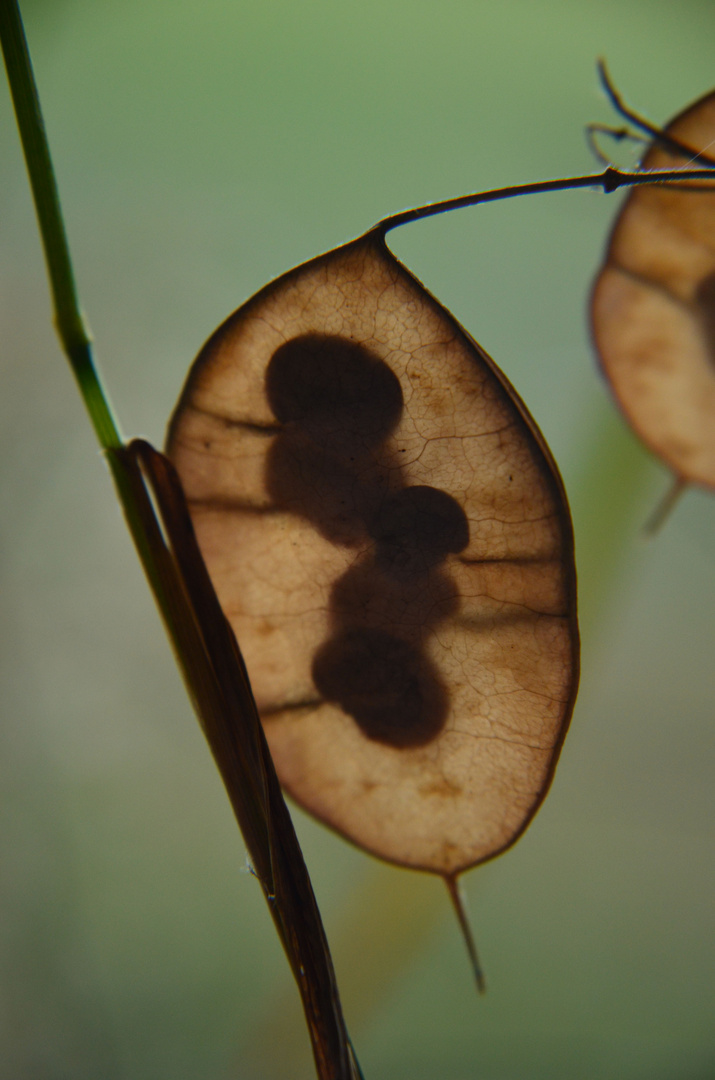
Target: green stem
[{"x": 68, "y": 317}]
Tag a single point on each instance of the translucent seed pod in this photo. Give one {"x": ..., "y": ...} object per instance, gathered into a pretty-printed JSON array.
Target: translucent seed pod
[
  {"x": 653, "y": 306},
  {"x": 389, "y": 537}
]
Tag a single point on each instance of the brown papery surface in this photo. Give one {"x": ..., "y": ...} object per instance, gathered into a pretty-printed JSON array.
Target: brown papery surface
[
  {"x": 389, "y": 538},
  {"x": 653, "y": 307}
]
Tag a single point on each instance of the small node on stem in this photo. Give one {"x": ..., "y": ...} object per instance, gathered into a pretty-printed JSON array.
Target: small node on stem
[{"x": 612, "y": 180}]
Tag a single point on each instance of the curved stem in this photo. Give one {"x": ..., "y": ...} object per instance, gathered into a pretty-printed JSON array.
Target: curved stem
[{"x": 609, "y": 180}]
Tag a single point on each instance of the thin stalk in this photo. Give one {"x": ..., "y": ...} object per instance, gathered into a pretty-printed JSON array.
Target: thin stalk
[
  {"x": 609, "y": 180},
  {"x": 663, "y": 138},
  {"x": 70, "y": 325},
  {"x": 459, "y": 903}
]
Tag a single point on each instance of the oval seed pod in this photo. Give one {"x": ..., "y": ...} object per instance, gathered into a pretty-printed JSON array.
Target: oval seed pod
[
  {"x": 389, "y": 537},
  {"x": 653, "y": 306}
]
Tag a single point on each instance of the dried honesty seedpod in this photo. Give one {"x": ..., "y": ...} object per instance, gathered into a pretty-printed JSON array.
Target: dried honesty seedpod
[
  {"x": 653, "y": 306},
  {"x": 389, "y": 537}
]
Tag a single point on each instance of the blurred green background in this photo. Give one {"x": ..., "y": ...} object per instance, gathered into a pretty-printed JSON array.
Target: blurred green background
[{"x": 201, "y": 149}]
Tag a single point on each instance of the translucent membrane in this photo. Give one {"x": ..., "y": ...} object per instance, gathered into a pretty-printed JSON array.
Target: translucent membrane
[
  {"x": 389, "y": 538},
  {"x": 653, "y": 306}
]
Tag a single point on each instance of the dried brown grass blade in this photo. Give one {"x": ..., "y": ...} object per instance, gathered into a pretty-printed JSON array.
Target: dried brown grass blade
[{"x": 217, "y": 677}]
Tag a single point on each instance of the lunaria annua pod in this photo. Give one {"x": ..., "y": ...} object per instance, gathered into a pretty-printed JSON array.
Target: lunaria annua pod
[
  {"x": 653, "y": 307},
  {"x": 389, "y": 537}
]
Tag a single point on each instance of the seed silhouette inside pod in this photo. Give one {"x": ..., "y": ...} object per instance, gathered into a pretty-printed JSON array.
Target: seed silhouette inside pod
[
  {"x": 389, "y": 537},
  {"x": 653, "y": 308}
]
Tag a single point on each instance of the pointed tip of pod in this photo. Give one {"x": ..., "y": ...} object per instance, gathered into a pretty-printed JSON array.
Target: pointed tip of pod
[{"x": 459, "y": 902}]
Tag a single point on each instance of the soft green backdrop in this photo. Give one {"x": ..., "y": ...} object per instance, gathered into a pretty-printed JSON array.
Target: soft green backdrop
[{"x": 203, "y": 148}]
